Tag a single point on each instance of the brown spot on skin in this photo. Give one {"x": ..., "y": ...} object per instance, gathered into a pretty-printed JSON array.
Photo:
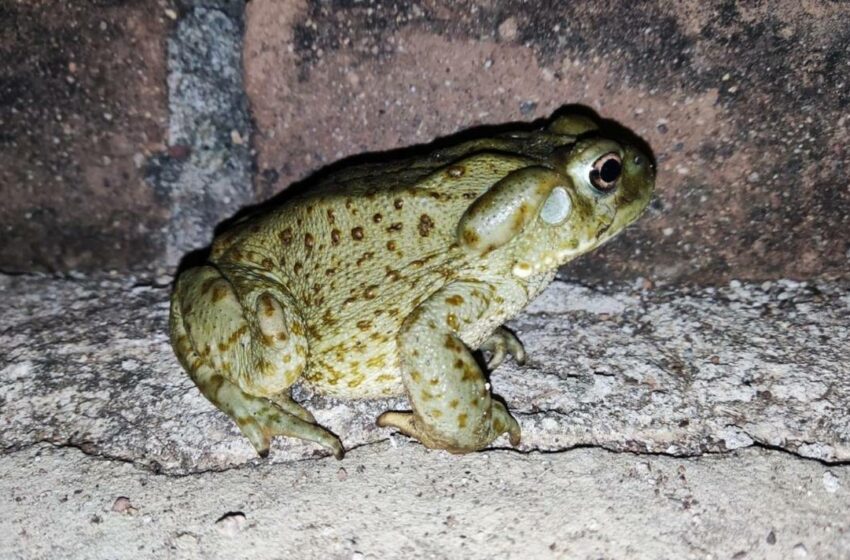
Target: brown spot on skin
[
  {"x": 393, "y": 312},
  {"x": 281, "y": 336},
  {"x": 470, "y": 237},
  {"x": 385, "y": 378},
  {"x": 268, "y": 306},
  {"x": 364, "y": 325},
  {"x": 357, "y": 233},
  {"x": 434, "y": 380},
  {"x": 469, "y": 374},
  {"x": 208, "y": 284},
  {"x": 330, "y": 271},
  {"x": 366, "y": 256},
  {"x": 222, "y": 347},
  {"x": 378, "y": 337},
  {"x": 398, "y": 203},
  {"x": 301, "y": 351},
  {"x": 454, "y": 403},
  {"x": 395, "y": 227},
  {"x": 520, "y": 218},
  {"x": 378, "y": 361},
  {"x": 308, "y": 240},
  {"x": 356, "y": 381},
  {"x": 268, "y": 340},
  {"x": 456, "y": 299},
  {"x": 461, "y": 420},
  {"x": 426, "y": 224},
  {"x": 348, "y": 301},
  {"x": 391, "y": 245},
  {"x": 313, "y": 333},
  {"x": 451, "y": 344},
  {"x": 298, "y": 268},
  {"x": 456, "y": 171},
  {"x": 286, "y": 236},
  {"x": 237, "y": 255},
  {"x": 452, "y": 322},
  {"x": 335, "y": 233},
  {"x": 425, "y": 395},
  {"x": 328, "y": 318},
  {"x": 393, "y": 275},
  {"x": 296, "y": 329},
  {"x": 237, "y": 333},
  {"x": 436, "y": 413},
  {"x": 470, "y": 195},
  {"x": 331, "y": 216},
  {"x": 219, "y": 292},
  {"x": 377, "y": 218},
  {"x": 458, "y": 364},
  {"x": 370, "y": 292},
  {"x": 267, "y": 264},
  {"x": 415, "y": 376}
]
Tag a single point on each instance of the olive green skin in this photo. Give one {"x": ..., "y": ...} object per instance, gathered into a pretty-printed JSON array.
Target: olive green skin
[{"x": 384, "y": 278}]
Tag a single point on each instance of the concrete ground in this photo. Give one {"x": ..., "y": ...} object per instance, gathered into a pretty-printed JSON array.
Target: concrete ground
[{"x": 657, "y": 422}]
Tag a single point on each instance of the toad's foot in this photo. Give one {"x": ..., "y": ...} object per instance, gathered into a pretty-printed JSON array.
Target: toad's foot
[
  {"x": 501, "y": 343},
  {"x": 501, "y": 422},
  {"x": 260, "y": 422},
  {"x": 285, "y": 401}
]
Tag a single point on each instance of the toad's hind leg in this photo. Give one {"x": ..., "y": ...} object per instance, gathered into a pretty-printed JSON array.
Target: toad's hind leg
[{"x": 244, "y": 363}]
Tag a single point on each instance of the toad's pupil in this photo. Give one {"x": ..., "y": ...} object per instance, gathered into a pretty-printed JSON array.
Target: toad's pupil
[{"x": 610, "y": 170}]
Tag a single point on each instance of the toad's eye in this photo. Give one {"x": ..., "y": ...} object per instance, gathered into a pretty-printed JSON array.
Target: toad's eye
[{"x": 605, "y": 172}]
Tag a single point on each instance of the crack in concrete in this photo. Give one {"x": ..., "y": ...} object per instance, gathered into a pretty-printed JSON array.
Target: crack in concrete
[{"x": 155, "y": 469}]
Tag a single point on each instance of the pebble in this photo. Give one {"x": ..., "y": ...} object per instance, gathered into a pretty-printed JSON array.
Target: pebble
[
  {"x": 341, "y": 474},
  {"x": 508, "y": 29},
  {"x": 830, "y": 482},
  {"x": 231, "y": 523},
  {"x": 122, "y": 505}
]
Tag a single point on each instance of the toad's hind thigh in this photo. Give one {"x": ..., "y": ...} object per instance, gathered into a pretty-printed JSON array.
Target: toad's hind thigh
[{"x": 247, "y": 336}]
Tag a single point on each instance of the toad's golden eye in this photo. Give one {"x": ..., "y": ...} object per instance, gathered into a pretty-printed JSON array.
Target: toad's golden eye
[{"x": 605, "y": 172}]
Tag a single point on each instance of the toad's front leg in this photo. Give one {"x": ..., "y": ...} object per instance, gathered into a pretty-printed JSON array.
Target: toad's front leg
[{"x": 452, "y": 406}]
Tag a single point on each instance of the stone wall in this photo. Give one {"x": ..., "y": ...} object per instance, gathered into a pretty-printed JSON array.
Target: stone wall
[{"x": 745, "y": 107}]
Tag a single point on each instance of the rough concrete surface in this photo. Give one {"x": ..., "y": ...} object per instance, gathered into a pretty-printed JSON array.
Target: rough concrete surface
[
  {"x": 87, "y": 363},
  {"x": 407, "y": 502},
  {"x": 716, "y": 418}
]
